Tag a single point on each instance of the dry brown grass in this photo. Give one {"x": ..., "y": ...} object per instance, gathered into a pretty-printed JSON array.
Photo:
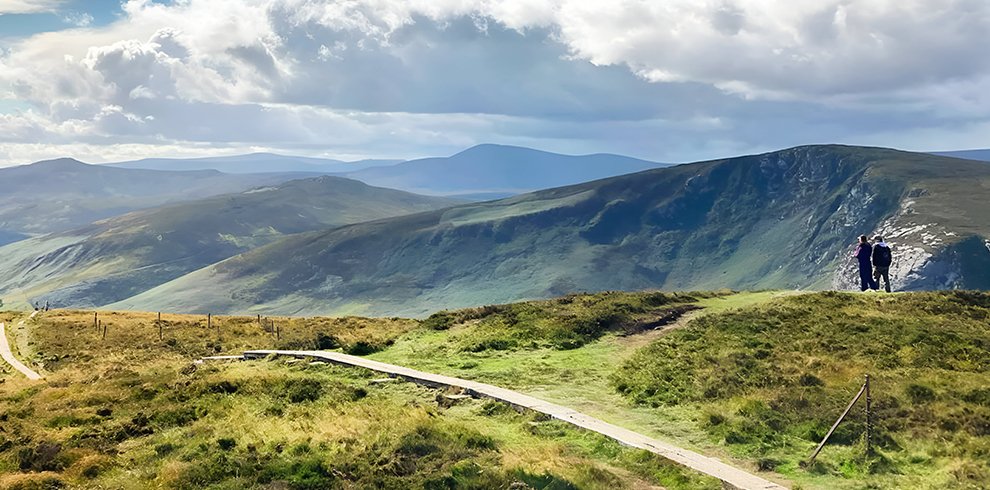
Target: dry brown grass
[{"x": 62, "y": 337}]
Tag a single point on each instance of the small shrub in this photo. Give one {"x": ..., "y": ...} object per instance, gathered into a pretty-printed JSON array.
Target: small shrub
[
  {"x": 491, "y": 407},
  {"x": 920, "y": 393},
  {"x": 226, "y": 443},
  {"x": 326, "y": 341},
  {"x": 301, "y": 390},
  {"x": 362, "y": 348},
  {"x": 442, "y": 320},
  {"x": 165, "y": 449},
  {"x": 32, "y": 481},
  {"x": 43, "y": 457}
]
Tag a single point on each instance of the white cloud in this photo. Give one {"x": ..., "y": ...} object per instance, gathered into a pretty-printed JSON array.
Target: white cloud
[
  {"x": 28, "y": 6},
  {"x": 417, "y": 74},
  {"x": 77, "y": 19}
]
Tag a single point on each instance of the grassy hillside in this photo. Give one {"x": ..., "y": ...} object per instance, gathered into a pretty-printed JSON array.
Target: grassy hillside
[
  {"x": 58, "y": 195},
  {"x": 769, "y": 382},
  {"x": 119, "y": 257},
  {"x": 131, "y": 411},
  {"x": 755, "y": 378},
  {"x": 786, "y": 219},
  {"x": 751, "y": 378}
]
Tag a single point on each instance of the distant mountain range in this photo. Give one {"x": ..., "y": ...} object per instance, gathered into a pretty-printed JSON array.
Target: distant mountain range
[
  {"x": 58, "y": 195},
  {"x": 981, "y": 155},
  {"x": 498, "y": 171},
  {"x": 482, "y": 172},
  {"x": 116, "y": 258},
  {"x": 255, "y": 163},
  {"x": 328, "y": 245},
  {"x": 785, "y": 219}
]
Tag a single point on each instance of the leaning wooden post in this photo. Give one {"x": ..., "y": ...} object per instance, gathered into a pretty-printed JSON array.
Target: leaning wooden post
[
  {"x": 869, "y": 422},
  {"x": 278, "y": 332},
  {"x": 159, "y": 321},
  {"x": 836, "y": 424},
  {"x": 104, "y": 330}
]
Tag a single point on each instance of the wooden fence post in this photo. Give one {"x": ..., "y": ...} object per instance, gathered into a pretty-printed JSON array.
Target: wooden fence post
[
  {"x": 104, "y": 330},
  {"x": 159, "y": 321},
  {"x": 855, "y": 399},
  {"x": 96, "y": 321},
  {"x": 869, "y": 422}
]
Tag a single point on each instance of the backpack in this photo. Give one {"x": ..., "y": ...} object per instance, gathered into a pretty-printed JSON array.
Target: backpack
[{"x": 883, "y": 256}]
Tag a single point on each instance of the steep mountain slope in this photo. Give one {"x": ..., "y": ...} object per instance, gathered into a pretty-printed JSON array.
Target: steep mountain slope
[
  {"x": 981, "y": 155},
  {"x": 779, "y": 220},
  {"x": 58, "y": 195},
  {"x": 255, "y": 163},
  {"x": 122, "y": 256},
  {"x": 496, "y": 170}
]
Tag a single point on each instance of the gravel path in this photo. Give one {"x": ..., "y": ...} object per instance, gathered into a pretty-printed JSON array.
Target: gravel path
[
  {"x": 730, "y": 476},
  {"x": 8, "y": 356}
]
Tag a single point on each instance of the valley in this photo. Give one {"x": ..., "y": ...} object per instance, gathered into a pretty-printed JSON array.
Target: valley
[
  {"x": 781, "y": 220},
  {"x": 119, "y": 257}
]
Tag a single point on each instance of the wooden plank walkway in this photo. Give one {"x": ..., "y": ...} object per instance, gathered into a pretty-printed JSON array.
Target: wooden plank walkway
[
  {"x": 730, "y": 476},
  {"x": 8, "y": 356}
]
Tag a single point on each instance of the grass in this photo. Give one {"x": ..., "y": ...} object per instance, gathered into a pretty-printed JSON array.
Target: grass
[
  {"x": 767, "y": 382},
  {"x": 752, "y": 378},
  {"x": 133, "y": 412}
]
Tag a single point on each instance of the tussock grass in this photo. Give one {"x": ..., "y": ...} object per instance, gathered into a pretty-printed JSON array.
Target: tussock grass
[
  {"x": 769, "y": 381},
  {"x": 132, "y": 411},
  {"x": 63, "y": 338}
]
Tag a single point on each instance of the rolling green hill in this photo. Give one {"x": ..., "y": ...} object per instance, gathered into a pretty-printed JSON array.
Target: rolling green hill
[
  {"x": 59, "y": 195},
  {"x": 786, "y": 219},
  {"x": 116, "y": 258}
]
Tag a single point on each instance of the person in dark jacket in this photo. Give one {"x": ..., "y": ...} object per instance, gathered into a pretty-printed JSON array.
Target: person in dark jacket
[
  {"x": 864, "y": 254},
  {"x": 882, "y": 258}
]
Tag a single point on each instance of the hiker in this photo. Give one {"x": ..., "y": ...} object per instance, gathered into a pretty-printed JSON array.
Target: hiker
[
  {"x": 882, "y": 257},
  {"x": 863, "y": 253}
]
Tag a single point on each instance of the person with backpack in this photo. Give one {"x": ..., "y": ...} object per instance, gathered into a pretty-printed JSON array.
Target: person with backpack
[
  {"x": 864, "y": 253},
  {"x": 882, "y": 258}
]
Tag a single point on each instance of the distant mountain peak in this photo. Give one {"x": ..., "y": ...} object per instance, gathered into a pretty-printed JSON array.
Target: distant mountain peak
[
  {"x": 60, "y": 163},
  {"x": 493, "y": 149}
]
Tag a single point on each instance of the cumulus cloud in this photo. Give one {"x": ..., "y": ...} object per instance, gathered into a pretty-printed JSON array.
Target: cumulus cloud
[
  {"x": 28, "y": 6},
  {"x": 77, "y": 19},
  {"x": 668, "y": 80}
]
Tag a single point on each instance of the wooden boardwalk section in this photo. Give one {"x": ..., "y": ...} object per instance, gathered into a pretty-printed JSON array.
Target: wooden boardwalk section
[
  {"x": 731, "y": 477},
  {"x": 8, "y": 356}
]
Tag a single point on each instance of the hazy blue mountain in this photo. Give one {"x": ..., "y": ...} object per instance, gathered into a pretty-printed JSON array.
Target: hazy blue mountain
[
  {"x": 981, "y": 155},
  {"x": 255, "y": 163},
  {"x": 118, "y": 257},
  {"x": 58, "y": 195},
  {"x": 497, "y": 170},
  {"x": 785, "y": 219}
]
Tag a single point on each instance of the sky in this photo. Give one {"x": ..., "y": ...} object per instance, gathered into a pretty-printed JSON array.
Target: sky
[{"x": 665, "y": 80}]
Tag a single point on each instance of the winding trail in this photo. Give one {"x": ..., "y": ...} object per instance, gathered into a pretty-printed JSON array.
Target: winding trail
[
  {"x": 8, "y": 356},
  {"x": 730, "y": 476}
]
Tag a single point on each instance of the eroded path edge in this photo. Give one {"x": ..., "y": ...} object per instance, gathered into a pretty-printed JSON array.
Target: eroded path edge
[{"x": 8, "y": 356}]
